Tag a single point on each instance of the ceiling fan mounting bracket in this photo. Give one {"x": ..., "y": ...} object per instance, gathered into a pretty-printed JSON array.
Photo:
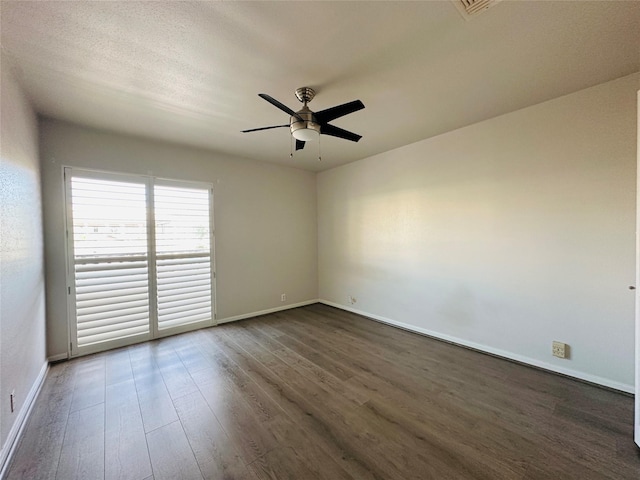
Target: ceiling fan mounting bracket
[{"x": 305, "y": 94}]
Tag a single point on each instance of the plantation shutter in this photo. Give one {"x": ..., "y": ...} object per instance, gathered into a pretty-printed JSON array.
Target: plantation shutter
[
  {"x": 110, "y": 259},
  {"x": 140, "y": 258},
  {"x": 183, "y": 255}
]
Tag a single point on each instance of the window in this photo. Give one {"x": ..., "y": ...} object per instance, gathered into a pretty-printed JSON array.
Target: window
[{"x": 140, "y": 258}]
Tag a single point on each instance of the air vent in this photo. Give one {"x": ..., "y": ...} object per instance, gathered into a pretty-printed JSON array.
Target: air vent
[{"x": 471, "y": 8}]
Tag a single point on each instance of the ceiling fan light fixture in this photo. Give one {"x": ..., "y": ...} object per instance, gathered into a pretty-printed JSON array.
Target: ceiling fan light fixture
[{"x": 305, "y": 132}]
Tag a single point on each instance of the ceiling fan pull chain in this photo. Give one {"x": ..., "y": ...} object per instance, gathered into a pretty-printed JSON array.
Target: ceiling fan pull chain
[
  {"x": 290, "y": 146},
  {"x": 319, "y": 156}
]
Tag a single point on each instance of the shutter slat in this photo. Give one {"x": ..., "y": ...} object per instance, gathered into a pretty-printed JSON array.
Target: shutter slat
[
  {"x": 181, "y": 295},
  {"x": 104, "y": 295},
  {"x": 109, "y": 307},
  {"x": 184, "y": 313},
  {"x": 115, "y": 280},
  {"x": 123, "y": 311},
  {"x": 93, "y": 306},
  {"x": 186, "y": 284},
  {"x": 111, "y": 324},
  {"x": 127, "y": 261},
  {"x": 109, "y": 287},
  {"x": 181, "y": 258},
  {"x": 167, "y": 276},
  {"x": 102, "y": 273},
  {"x": 186, "y": 306},
  {"x": 186, "y": 320},
  {"x": 114, "y": 335}
]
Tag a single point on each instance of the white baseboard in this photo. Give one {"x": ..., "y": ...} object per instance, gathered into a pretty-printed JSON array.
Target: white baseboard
[
  {"x": 266, "y": 312},
  {"x": 13, "y": 438},
  {"x": 605, "y": 382},
  {"x": 58, "y": 357}
]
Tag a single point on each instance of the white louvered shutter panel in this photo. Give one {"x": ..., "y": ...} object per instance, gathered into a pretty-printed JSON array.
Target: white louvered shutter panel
[
  {"x": 183, "y": 255},
  {"x": 110, "y": 259}
]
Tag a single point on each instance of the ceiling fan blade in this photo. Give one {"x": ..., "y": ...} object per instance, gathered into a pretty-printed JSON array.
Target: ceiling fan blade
[
  {"x": 299, "y": 145},
  {"x": 264, "y": 128},
  {"x": 325, "y": 116},
  {"x": 334, "y": 131},
  {"x": 280, "y": 105}
]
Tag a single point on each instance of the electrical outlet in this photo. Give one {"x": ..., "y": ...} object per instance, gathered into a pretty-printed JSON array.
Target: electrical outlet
[
  {"x": 559, "y": 349},
  {"x": 283, "y": 297},
  {"x": 12, "y": 399}
]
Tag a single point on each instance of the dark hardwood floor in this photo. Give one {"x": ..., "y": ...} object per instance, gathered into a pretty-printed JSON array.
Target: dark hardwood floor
[{"x": 318, "y": 393}]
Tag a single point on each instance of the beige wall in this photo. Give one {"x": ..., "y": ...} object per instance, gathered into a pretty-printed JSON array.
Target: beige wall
[
  {"x": 504, "y": 235},
  {"x": 265, "y": 218},
  {"x": 22, "y": 321}
]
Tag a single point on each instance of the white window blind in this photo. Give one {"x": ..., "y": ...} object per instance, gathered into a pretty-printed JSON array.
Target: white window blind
[
  {"x": 110, "y": 259},
  {"x": 183, "y": 257},
  {"x": 141, "y": 257}
]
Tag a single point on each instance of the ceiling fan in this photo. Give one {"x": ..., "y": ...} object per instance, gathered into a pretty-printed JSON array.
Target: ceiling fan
[{"x": 306, "y": 125}]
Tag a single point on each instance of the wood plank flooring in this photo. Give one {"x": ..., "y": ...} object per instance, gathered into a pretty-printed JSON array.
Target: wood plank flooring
[{"x": 318, "y": 393}]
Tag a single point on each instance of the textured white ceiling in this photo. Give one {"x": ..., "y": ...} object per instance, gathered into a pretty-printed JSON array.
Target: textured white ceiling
[{"x": 190, "y": 72}]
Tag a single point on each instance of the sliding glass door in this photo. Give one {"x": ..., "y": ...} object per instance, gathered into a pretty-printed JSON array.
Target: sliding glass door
[{"x": 140, "y": 258}]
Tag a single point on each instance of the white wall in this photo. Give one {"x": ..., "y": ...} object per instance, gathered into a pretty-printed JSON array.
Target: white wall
[
  {"x": 265, "y": 218},
  {"x": 22, "y": 307},
  {"x": 504, "y": 235}
]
